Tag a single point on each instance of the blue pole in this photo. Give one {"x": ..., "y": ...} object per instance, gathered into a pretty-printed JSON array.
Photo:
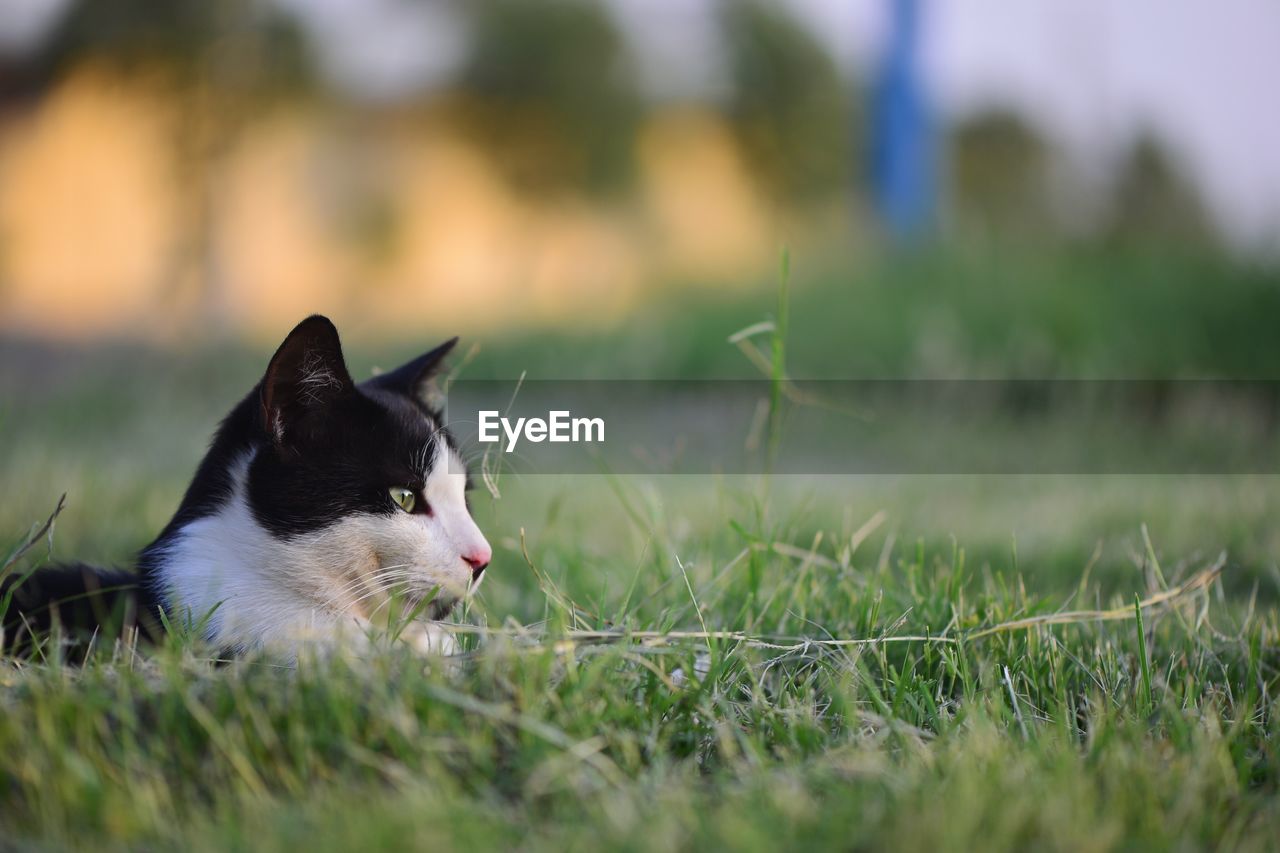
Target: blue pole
[{"x": 902, "y": 146}]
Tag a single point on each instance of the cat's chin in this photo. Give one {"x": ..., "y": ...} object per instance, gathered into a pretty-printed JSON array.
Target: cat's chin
[{"x": 438, "y": 609}]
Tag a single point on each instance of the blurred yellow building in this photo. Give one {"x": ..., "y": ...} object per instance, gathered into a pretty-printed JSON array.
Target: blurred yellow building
[{"x": 111, "y": 226}]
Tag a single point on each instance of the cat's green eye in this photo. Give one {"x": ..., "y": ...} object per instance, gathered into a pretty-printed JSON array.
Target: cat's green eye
[{"x": 403, "y": 498}]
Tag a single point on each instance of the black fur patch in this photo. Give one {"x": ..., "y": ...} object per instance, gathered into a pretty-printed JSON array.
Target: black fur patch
[
  {"x": 368, "y": 443},
  {"x": 86, "y": 603}
]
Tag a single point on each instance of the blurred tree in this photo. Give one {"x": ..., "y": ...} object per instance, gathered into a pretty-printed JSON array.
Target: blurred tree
[
  {"x": 1000, "y": 172},
  {"x": 1154, "y": 202},
  {"x": 218, "y": 63},
  {"x": 554, "y": 98},
  {"x": 245, "y": 43},
  {"x": 132, "y": 33},
  {"x": 793, "y": 110}
]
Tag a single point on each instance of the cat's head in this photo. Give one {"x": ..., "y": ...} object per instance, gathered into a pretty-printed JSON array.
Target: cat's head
[{"x": 364, "y": 476}]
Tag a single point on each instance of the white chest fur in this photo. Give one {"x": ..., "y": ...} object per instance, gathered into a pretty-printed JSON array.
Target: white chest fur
[{"x": 246, "y": 589}]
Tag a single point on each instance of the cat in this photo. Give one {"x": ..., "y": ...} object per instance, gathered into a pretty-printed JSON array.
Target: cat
[{"x": 322, "y": 506}]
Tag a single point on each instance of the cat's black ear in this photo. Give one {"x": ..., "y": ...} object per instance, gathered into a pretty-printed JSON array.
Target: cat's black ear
[
  {"x": 306, "y": 374},
  {"x": 414, "y": 379}
]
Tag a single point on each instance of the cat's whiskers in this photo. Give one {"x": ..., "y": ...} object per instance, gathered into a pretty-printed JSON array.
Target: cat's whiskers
[
  {"x": 389, "y": 590},
  {"x": 358, "y": 580},
  {"x": 373, "y": 579}
]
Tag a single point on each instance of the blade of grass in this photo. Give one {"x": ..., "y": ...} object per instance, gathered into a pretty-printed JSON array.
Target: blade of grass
[{"x": 1144, "y": 660}]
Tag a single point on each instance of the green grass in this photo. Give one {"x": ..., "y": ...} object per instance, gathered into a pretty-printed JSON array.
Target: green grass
[
  {"x": 971, "y": 311},
  {"x": 1156, "y": 729},
  {"x": 1081, "y": 735}
]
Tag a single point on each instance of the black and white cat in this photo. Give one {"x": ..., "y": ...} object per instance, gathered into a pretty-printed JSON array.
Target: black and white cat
[{"x": 319, "y": 502}]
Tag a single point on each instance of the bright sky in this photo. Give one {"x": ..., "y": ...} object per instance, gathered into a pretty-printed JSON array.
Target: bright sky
[{"x": 1203, "y": 73}]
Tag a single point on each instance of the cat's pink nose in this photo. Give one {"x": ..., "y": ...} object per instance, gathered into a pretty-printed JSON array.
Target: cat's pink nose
[{"x": 478, "y": 560}]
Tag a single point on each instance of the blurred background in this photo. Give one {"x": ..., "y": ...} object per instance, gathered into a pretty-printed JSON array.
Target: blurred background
[
  {"x": 1071, "y": 186},
  {"x": 1039, "y": 189}
]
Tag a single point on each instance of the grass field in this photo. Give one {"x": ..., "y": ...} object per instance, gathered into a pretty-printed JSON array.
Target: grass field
[{"x": 569, "y": 725}]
